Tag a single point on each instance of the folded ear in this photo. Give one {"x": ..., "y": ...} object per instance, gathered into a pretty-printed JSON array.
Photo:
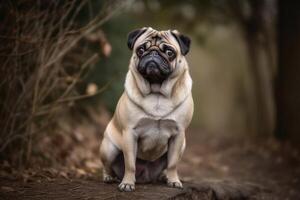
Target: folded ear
[
  {"x": 183, "y": 41},
  {"x": 133, "y": 36}
]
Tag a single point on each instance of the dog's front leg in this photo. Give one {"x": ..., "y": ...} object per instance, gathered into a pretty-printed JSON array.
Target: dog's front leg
[
  {"x": 129, "y": 151},
  {"x": 175, "y": 151}
]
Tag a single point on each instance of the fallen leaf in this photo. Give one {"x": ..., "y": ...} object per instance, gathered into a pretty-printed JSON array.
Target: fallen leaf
[
  {"x": 91, "y": 89},
  {"x": 106, "y": 49}
]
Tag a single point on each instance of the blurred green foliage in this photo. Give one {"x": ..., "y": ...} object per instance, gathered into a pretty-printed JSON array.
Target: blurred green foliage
[{"x": 112, "y": 70}]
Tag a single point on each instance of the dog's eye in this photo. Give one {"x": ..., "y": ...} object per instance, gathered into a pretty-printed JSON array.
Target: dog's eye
[
  {"x": 140, "y": 51},
  {"x": 170, "y": 53}
]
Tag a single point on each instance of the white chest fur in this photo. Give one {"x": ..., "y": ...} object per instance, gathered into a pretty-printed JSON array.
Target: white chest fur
[
  {"x": 153, "y": 136},
  {"x": 154, "y": 103}
]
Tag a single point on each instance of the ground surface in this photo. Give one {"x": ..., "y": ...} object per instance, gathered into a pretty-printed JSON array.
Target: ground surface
[{"x": 213, "y": 167}]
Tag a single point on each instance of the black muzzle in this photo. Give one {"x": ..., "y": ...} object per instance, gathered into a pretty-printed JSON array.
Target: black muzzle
[{"x": 154, "y": 67}]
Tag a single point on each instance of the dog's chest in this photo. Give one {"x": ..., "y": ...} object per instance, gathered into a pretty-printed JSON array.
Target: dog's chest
[{"x": 153, "y": 136}]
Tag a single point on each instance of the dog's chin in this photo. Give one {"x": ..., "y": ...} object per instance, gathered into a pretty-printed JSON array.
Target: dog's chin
[
  {"x": 155, "y": 84},
  {"x": 154, "y": 79}
]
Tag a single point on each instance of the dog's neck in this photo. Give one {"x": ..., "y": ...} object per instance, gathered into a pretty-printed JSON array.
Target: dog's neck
[
  {"x": 158, "y": 100},
  {"x": 155, "y": 88}
]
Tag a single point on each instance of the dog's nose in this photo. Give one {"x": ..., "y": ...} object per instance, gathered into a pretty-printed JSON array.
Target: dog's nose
[{"x": 152, "y": 64}]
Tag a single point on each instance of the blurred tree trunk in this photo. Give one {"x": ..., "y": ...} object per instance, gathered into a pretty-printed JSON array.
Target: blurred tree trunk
[
  {"x": 288, "y": 79},
  {"x": 256, "y": 19}
]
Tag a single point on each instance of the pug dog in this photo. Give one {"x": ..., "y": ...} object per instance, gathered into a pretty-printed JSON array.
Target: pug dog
[{"x": 145, "y": 139}]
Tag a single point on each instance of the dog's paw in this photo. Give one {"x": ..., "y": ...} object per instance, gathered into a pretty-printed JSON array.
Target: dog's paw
[
  {"x": 175, "y": 184},
  {"x": 126, "y": 187},
  {"x": 109, "y": 179}
]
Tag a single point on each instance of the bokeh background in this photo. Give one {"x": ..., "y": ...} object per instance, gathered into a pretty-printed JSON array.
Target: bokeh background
[
  {"x": 63, "y": 65},
  {"x": 233, "y": 59}
]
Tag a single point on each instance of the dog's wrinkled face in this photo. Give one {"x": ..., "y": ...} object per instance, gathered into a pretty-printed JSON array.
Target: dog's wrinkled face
[{"x": 157, "y": 52}]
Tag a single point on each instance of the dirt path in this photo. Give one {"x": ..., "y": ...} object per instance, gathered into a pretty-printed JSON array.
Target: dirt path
[
  {"x": 212, "y": 168},
  {"x": 95, "y": 189},
  {"x": 82, "y": 189}
]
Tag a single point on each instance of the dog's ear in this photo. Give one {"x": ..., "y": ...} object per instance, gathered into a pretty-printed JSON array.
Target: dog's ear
[
  {"x": 133, "y": 36},
  {"x": 183, "y": 41}
]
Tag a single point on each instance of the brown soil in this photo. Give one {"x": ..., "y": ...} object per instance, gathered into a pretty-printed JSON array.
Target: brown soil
[{"x": 213, "y": 167}]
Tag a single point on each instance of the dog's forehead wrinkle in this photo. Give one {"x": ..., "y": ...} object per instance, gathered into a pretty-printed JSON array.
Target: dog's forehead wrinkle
[
  {"x": 149, "y": 34},
  {"x": 157, "y": 38}
]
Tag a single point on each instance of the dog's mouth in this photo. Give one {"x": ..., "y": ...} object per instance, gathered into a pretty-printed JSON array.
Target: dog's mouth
[{"x": 154, "y": 67}]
